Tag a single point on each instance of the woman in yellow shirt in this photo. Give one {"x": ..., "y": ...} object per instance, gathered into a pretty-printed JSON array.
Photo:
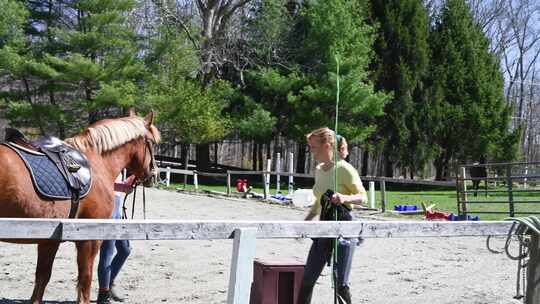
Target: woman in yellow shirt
[{"x": 349, "y": 191}]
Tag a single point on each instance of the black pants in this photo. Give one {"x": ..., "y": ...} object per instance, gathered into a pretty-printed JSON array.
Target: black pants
[{"x": 319, "y": 255}]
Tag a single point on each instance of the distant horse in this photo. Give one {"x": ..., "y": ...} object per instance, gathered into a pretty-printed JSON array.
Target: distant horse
[
  {"x": 479, "y": 171},
  {"x": 110, "y": 146}
]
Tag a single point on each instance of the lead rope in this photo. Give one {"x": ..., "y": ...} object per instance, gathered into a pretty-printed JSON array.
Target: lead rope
[
  {"x": 521, "y": 227},
  {"x": 124, "y": 208},
  {"x": 144, "y": 201},
  {"x": 133, "y": 204},
  {"x": 335, "y": 255}
]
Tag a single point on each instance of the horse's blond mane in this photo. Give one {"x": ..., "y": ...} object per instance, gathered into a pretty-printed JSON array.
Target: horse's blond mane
[{"x": 111, "y": 134}]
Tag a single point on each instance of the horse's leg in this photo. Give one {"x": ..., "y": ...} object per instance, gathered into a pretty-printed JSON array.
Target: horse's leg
[
  {"x": 46, "y": 255},
  {"x": 86, "y": 254}
]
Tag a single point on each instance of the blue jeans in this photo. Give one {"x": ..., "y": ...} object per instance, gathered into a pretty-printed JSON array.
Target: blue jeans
[
  {"x": 319, "y": 255},
  {"x": 109, "y": 266}
]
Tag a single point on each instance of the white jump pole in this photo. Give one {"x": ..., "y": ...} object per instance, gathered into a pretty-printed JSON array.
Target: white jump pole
[
  {"x": 168, "y": 176},
  {"x": 267, "y": 179},
  {"x": 291, "y": 170},
  {"x": 525, "y": 179},
  {"x": 278, "y": 169},
  {"x": 372, "y": 195}
]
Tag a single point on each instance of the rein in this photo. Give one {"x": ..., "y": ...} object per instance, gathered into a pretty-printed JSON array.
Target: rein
[
  {"x": 147, "y": 149},
  {"x": 124, "y": 208}
]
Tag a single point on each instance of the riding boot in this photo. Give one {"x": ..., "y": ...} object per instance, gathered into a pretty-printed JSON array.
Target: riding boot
[
  {"x": 114, "y": 296},
  {"x": 104, "y": 297},
  {"x": 344, "y": 295}
]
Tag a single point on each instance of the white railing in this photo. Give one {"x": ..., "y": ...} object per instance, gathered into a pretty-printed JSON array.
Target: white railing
[{"x": 245, "y": 234}]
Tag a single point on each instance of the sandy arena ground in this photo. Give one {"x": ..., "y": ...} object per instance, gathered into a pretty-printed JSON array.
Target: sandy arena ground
[{"x": 421, "y": 270}]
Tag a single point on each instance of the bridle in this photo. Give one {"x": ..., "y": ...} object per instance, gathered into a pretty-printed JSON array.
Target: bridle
[{"x": 148, "y": 148}]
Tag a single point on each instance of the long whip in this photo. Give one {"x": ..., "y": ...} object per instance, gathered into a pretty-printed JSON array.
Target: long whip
[{"x": 335, "y": 255}]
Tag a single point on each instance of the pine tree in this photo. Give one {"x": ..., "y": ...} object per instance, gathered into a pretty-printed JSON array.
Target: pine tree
[
  {"x": 467, "y": 91},
  {"x": 12, "y": 17},
  {"x": 333, "y": 29},
  {"x": 402, "y": 56},
  {"x": 79, "y": 64}
]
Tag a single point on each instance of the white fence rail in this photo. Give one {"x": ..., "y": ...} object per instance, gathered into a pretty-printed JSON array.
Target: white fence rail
[
  {"x": 245, "y": 234},
  {"x": 86, "y": 229}
]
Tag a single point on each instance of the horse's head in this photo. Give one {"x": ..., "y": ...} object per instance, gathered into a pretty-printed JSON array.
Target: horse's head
[
  {"x": 128, "y": 142},
  {"x": 143, "y": 164}
]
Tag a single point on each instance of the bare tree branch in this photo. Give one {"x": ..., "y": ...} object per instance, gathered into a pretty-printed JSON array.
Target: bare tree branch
[{"x": 167, "y": 14}]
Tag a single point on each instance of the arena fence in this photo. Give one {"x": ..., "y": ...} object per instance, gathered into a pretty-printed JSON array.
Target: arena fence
[
  {"x": 266, "y": 176},
  {"x": 502, "y": 188},
  {"x": 245, "y": 234}
]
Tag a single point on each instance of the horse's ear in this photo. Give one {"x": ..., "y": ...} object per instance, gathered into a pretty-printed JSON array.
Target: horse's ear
[
  {"x": 149, "y": 119},
  {"x": 131, "y": 112}
]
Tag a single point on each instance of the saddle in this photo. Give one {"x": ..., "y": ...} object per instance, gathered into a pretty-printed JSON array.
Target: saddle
[{"x": 58, "y": 171}]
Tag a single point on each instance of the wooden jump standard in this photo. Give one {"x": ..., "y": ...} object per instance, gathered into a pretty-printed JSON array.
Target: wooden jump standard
[{"x": 245, "y": 234}]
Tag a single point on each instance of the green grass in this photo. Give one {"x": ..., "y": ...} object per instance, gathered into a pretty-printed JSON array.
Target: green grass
[{"x": 444, "y": 200}]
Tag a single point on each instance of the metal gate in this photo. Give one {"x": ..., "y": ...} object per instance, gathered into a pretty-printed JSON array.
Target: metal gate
[{"x": 502, "y": 188}]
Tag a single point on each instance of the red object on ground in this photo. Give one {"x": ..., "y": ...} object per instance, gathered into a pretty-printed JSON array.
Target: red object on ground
[
  {"x": 276, "y": 281},
  {"x": 437, "y": 215},
  {"x": 241, "y": 185}
]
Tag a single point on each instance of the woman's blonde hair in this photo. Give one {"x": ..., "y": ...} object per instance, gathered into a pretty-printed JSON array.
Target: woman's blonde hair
[{"x": 326, "y": 135}]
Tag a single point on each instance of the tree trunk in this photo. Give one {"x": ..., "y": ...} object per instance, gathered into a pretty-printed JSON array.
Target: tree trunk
[
  {"x": 203, "y": 159},
  {"x": 388, "y": 168},
  {"x": 268, "y": 151},
  {"x": 185, "y": 160},
  {"x": 365, "y": 162},
  {"x": 216, "y": 160},
  {"x": 254, "y": 156},
  {"x": 442, "y": 166},
  {"x": 301, "y": 158},
  {"x": 261, "y": 159}
]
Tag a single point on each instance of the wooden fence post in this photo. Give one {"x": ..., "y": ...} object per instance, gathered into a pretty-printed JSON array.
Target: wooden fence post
[
  {"x": 195, "y": 181},
  {"x": 532, "y": 295},
  {"x": 241, "y": 275}
]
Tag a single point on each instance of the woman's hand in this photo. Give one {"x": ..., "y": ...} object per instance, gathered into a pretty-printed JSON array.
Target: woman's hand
[
  {"x": 338, "y": 198},
  {"x": 125, "y": 186}
]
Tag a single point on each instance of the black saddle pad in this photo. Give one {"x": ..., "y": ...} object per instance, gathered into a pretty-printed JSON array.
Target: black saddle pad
[{"x": 46, "y": 177}]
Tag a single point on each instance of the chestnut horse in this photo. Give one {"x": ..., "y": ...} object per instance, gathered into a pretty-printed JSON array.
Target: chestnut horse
[{"x": 110, "y": 146}]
